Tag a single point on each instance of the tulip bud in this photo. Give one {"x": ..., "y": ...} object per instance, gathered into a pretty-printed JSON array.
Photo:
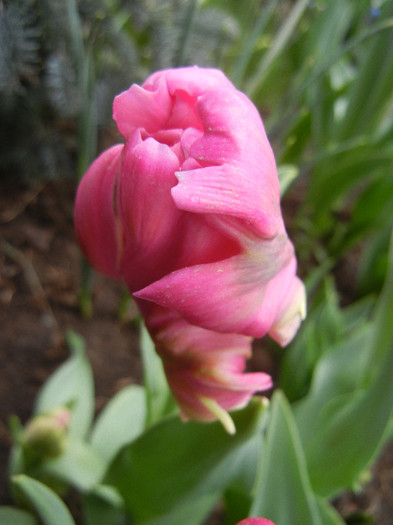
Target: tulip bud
[
  {"x": 46, "y": 435},
  {"x": 187, "y": 214}
]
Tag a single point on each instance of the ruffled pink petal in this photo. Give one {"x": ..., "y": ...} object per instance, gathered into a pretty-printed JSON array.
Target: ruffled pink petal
[
  {"x": 188, "y": 137},
  {"x": 198, "y": 243},
  {"x": 96, "y": 226},
  {"x": 187, "y": 213},
  {"x": 147, "y": 211},
  {"x": 153, "y": 106},
  {"x": 291, "y": 313},
  {"x": 191, "y": 384},
  {"x": 183, "y": 114},
  {"x": 143, "y": 108},
  {"x": 192, "y": 80},
  {"x": 239, "y": 294},
  {"x": 239, "y": 176},
  {"x": 203, "y": 365}
]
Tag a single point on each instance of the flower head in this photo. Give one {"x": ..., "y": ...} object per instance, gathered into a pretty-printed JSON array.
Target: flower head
[
  {"x": 46, "y": 435},
  {"x": 187, "y": 214}
]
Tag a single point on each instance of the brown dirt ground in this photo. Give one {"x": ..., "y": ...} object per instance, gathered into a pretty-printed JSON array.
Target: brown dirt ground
[{"x": 39, "y": 279}]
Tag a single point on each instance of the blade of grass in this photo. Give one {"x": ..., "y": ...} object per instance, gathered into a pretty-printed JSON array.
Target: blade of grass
[
  {"x": 186, "y": 33},
  {"x": 244, "y": 58},
  {"x": 280, "y": 121},
  {"x": 372, "y": 90},
  {"x": 280, "y": 41}
]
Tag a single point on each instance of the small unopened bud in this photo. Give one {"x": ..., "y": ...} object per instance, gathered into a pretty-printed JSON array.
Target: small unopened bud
[{"x": 46, "y": 435}]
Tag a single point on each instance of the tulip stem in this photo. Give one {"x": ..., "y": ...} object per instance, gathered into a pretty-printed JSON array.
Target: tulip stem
[
  {"x": 85, "y": 302},
  {"x": 124, "y": 306},
  {"x": 87, "y": 129}
]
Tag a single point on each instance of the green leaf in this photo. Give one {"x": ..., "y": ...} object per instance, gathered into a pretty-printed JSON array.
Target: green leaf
[
  {"x": 237, "y": 504},
  {"x": 373, "y": 262},
  {"x": 46, "y": 503},
  {"x": 121, "y": 421},
  {"x": 159, "y": 399},
  {"x": 357, "y": 314},
  {"x": 244, "y": 58},
  {"x": 237, "y": 496},
  {"x": 71, "y": 384},
  {"x": 389, "y": 431},
  {"x": 340, "y": 168},
  {"x": 278, "y": 45},
  {"x": 372, "y": 89},
  {"x": 174, "y": 463},
  {"x": 297, "y": 137},
  {"x": 373, "y": 209},
  {"x": 13, "y": 516},
  {"x": 382, "y": 344},
  {"x": 327, "y": 32},
  {"x": 309, "y": 85},
  {"x": 104, "y": 506},
  {"x": 329, "y": 515},
  {"x": 192, "y": 512},
  {"x": 347, "y": 413},
  {"x": 323, "y": 328},
  {"x": 338, "y": 372},
  {"x": 283, "y": 491},
  {"x": 287, "y": 173},
  {"x": 185, "y": 36},
  {"x": 80, "y": 466}
]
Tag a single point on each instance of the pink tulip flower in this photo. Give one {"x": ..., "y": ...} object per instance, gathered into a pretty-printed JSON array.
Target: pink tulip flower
[{"x": 187, "y": 214}]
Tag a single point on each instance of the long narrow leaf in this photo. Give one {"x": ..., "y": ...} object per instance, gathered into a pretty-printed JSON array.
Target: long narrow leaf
[
  {"x": 279, "y": 43},
  {"x": 372, "y": 89},
  {"x": 283, "y": 120},
  {"x": 13, "y": 516},
  {"x": 174, "y": 463},
  {"x": 159, "y": 399},
  {"x": 184, "y": 39},
  {"x": 245, "y": 56},
  {"x": 283, "y": 491},
  {"x": 80, "y": 466},
  {"x": 327, "y": 33},
  {"x": 71, "y": 384},
  {"x": 121, "y": 421},
  {"x": 47, "y": 504},
  {"x": 103, "y": 506},
  {"x": 342, "y": 433}
]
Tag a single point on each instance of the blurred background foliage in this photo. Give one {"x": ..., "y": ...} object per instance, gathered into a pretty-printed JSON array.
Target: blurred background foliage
[{"x": 319, "y": 71}]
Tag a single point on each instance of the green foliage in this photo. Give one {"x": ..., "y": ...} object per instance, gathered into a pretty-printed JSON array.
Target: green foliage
[
  {"x": 102, "y": 506},
  {"x": 118, "y": 451},
  {"x": 322, "y": 72},
  {"x": 71, "y": 385},
  {"x": 79, "y": 467},
  {"x": 49, "y": 507},
  {"x": 13, "y": 516},
  {"x": 352, "y": 385},
  {"x": 159, "y": 399},
  {"x": 175, "y": 464},
  {"x": 327, "y": 326},
  {"x": 122, "y": 420},
  {"x": 283, "y": 473}
]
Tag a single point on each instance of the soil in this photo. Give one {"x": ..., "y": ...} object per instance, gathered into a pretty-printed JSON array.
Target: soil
[{"x": 39, "y": 283}]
